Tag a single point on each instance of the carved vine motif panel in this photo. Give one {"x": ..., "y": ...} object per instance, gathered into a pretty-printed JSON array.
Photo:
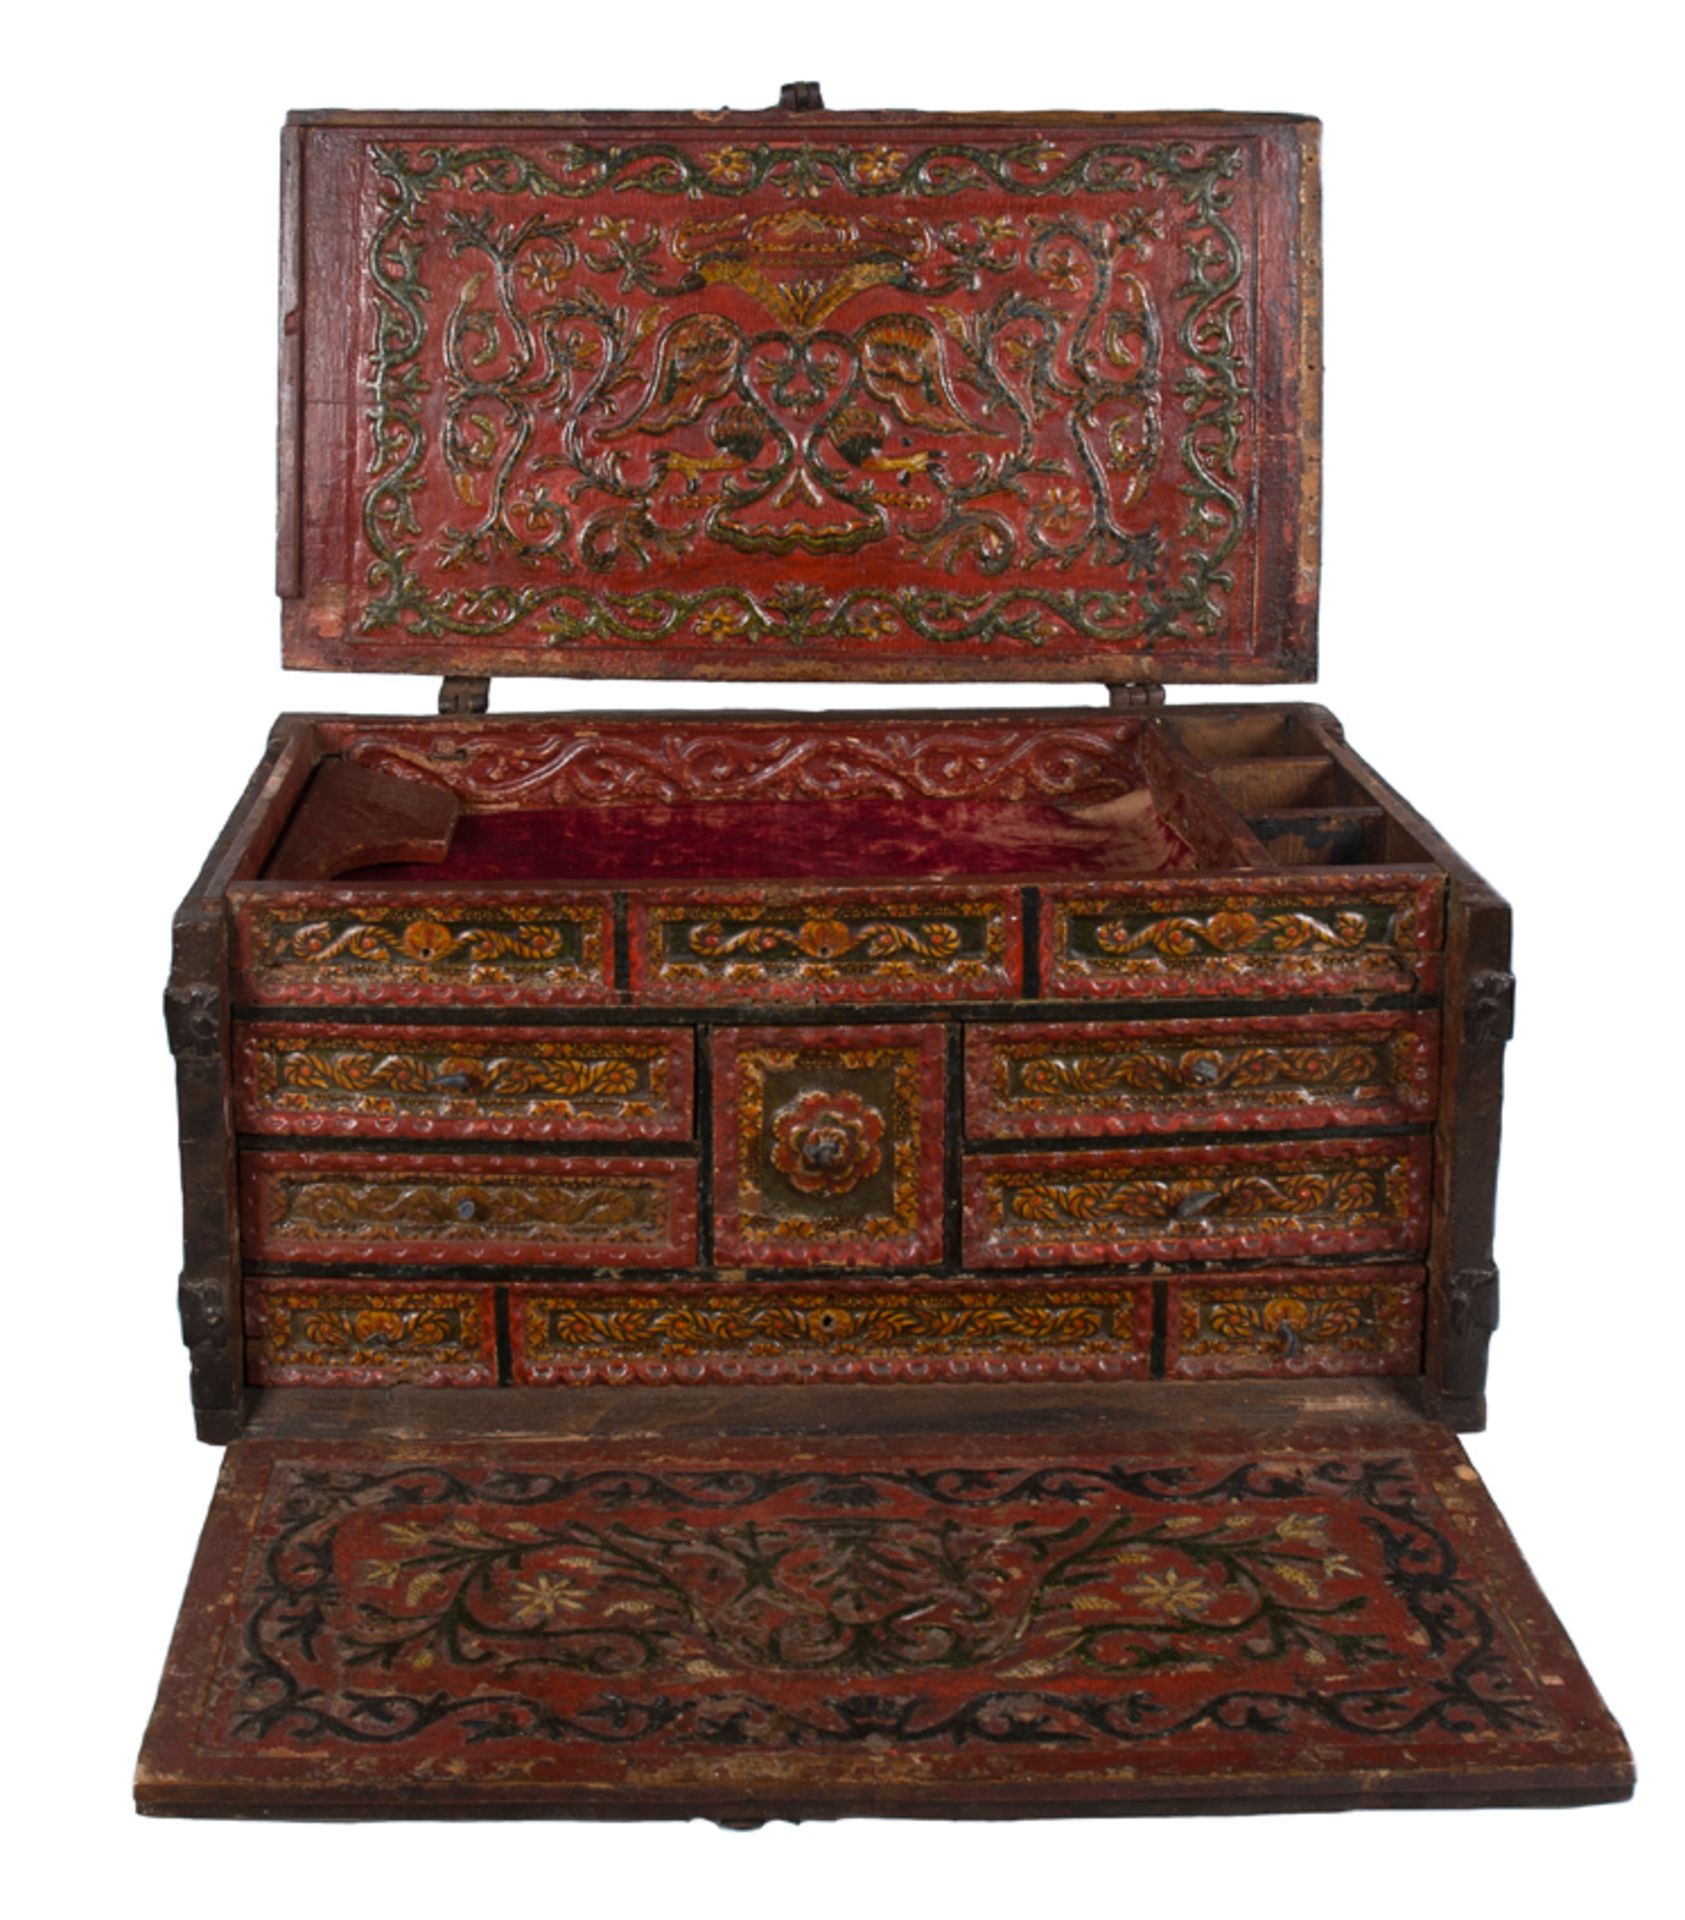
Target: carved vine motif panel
[
  {"x": 336, "y": 946},
  {"x": 932, "y": 944},
  {"x": 770, "y": 1330},
  {"x": 1285, "y": 1200},
  {"x": 727, "y": 396},
  {"x": 324, "y": 1333},
  {"x": 462, "y": 1082},
  {"x": 1221, "y": 1075},
  {"x": 1335, "y": 933},
  {"x": 1351, "y": 1323},
  {"x": 450, "y": 1208}
]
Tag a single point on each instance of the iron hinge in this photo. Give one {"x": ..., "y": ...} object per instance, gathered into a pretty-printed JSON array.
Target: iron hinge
[
  {"x": 800, "y": 96},
  {"x": 464, "y": 693},
  {"x": 1136, "y": 694}
]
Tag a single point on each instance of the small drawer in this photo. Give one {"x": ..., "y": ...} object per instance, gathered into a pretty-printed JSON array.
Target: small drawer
[
  {"x": 828, "y": 1145},
  {"x": 1272, "y": 936},
  {"x": 1270, "y": 1200},
  {"x": 366, "y": 946},
  {"x": 453, "y": 1209},
  {"x": 932, "y": 944},
  {"x": 369, "y": 1333},
  {"x": 1355, "y": 1320},
  {"x": 463, "y": 1083},
  {"x": 861, "y": 1330},
  {"x": 1201, "y": 1076}
]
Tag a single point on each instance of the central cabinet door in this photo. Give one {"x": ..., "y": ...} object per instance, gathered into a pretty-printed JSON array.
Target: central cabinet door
[{"x": 829, "y": 1145}]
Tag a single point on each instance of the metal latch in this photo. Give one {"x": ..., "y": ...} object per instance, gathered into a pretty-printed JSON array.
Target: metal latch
[
  {"x": 464, "y": 693},
  {"x": 1489, "y": 1009},
  {"x": 800, "y": 96}
]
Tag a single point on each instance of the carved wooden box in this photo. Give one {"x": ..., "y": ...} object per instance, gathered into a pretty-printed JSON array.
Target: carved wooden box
[{"x": 1023, "y": 1180}]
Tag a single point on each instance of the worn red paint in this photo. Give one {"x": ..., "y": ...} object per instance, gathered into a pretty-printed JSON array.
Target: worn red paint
[{"x": 476, "y": 1209}]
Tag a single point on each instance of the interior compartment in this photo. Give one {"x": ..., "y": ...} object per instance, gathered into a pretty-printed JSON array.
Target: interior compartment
[
  {"x": 1288, "y": 778},
  {"x": 541, "y": 801}
]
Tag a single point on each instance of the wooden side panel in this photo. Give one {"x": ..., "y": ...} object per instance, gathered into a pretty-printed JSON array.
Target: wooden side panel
[
  {"x": 197, "y": 1010},
  {"x": 1479, "y": 1017}
]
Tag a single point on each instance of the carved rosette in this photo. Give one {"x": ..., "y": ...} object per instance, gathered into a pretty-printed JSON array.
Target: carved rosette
[
  {"x": 827, "y": 1142},
  {"x": 828, "y": 1146}
]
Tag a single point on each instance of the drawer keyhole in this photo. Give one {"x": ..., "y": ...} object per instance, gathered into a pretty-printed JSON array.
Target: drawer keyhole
[{"x": 824, "y": 1148}]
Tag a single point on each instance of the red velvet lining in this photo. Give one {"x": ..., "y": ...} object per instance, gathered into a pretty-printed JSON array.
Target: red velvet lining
[{"x": 799, "y": 840}]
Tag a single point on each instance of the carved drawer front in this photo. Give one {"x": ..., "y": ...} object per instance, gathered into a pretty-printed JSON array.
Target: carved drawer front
[
  {"x": 337, "y": 946},
  {"x": 1187, "y": 1076},
  {"x": 370, "y": 1333},
  {"x": 452, "y": 1209},
  {"x": 464, "y": 1083},
  {"x": 865, "y": 1330},
  {"x": 1342, "y": 1320},
  {"x": 828, "y": 1145},
  {"x": 1310, "y": 934},
  {"x": 1271, "y": 1200},
  {"x": 909, "y": 945}
]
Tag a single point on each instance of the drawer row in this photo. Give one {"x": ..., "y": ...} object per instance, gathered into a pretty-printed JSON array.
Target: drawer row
[
  {"x": 1021, "y": 1081},
  {"x": 832, "y": 1146},
  {"x": 831, "y": 1177},
  {"x": 1306, "y": 934},
  {"x": 1259, "y": 1323}
]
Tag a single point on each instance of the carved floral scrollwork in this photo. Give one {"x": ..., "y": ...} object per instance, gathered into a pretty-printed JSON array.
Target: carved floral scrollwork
[
  {"x": 923, "y": 1611},
  {"x": 1005, "y": 416},
  {"x": 1235, "y": 931},
  {"x": 1195, "y": 1204}
]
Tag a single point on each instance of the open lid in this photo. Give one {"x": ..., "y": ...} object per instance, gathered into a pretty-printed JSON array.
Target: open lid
[{"x": 801, "y": 395}]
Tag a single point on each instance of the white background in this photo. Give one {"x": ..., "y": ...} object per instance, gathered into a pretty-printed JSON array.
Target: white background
[{"x": 1500, "y": 633}]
